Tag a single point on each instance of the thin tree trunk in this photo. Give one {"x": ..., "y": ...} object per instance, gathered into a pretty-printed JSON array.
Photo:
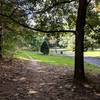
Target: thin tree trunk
[{"x": 79, "y": 41}]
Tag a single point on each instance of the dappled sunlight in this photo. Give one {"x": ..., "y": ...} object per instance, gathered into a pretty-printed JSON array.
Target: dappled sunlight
[
  {"x": 22, "y": 79},
  {"x": 66, "y": 64},
  {"x": 23, "y": 58},
  {"x": 19, "y": 79},
  {"x": 50, "y": 83},
  {"x": 41, "y": 71},
  {"x": 47, "y": 61},
  {"x": 31, "y": 91}
]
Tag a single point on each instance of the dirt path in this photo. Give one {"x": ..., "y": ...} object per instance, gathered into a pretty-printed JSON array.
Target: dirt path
[{"x": 29, "y": 80}]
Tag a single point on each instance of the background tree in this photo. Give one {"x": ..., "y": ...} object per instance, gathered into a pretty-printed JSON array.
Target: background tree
[{"x": 45, "y": 47}]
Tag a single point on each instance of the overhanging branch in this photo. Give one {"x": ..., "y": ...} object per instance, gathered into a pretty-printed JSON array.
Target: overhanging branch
[
  {"x": 38, "y": 30},
  {"x": 88, "y": 2},
  {"x": 95, "y": 31}
]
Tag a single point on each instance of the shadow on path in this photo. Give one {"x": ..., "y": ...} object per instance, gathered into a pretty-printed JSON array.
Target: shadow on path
[{"x": 29, "y": 80}]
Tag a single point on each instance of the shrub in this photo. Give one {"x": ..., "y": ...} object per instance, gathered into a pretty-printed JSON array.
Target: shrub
[{"x": 45, "y": 48}]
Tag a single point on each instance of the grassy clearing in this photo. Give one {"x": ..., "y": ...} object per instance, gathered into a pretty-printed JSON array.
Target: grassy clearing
[
  {"x": 49, "y": 59},
  {"x": 92, "y": 69},
  {"x": 54, "y": 60},
  {"x": 92, "y": 54}
]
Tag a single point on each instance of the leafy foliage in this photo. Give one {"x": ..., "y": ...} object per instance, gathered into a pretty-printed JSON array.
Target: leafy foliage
[{"x": 45, "y": 15}]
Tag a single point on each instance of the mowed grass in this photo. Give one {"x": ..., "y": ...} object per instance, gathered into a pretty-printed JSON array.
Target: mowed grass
[
  {"x": 62, "y": 61},
  {"x": 49, "y": 59},
  {"x": 92, "y": 54}
]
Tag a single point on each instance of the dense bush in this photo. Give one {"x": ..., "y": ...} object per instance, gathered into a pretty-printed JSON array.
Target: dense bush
[
  {"x": 9, "y": 44},
  {"x": 45, "y": 48}
]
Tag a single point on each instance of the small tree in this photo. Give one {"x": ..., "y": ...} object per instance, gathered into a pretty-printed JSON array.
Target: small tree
[{"x": 45, "y": 48}]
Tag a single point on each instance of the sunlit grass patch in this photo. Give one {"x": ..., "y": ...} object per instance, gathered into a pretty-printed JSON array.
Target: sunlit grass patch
[
  {"x": 92, "y": 54},
  {"x": 62, "y": 61},
  {"x": 49, "y": 59}
]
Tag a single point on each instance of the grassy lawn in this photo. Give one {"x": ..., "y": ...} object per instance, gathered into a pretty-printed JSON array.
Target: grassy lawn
[
  {"x": 92, "y": 54},
  {"x": 49, "y": 59},
  {"x": 54, "y": 60}
]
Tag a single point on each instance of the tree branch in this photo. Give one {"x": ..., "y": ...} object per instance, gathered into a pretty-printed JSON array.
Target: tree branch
[
  {"x": 88, "y": 2},
  {"x": 95, "y": 31},
  {"x": 13, "y": 11},
  {"x": 39, "y": 30}
]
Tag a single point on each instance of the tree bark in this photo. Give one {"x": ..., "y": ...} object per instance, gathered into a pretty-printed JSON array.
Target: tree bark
[
  {"x": 79, "y": 41},
  {"x": 0, "y": 31},
  {"x": 0, "y": 42}
]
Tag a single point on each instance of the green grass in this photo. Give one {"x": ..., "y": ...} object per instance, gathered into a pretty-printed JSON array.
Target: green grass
[
  {"x": 92, "y": 54},
  {"x": 49, "y": 59},
  {"x": 92, "y": 68},
  {"x": 54, "y": 60}
]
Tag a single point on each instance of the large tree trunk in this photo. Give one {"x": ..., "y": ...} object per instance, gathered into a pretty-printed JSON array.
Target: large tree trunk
[
  {"x": 79, "y": 41},
  {"x": 1, "y": 31},
  {"x": 0, "y": 43}
]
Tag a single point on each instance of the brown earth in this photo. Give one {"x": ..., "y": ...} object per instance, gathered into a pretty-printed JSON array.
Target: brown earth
[{"x": 29, "y": 80}]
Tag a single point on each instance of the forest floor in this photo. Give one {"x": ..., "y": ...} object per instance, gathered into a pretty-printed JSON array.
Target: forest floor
[{"x": 30, "y": 80}]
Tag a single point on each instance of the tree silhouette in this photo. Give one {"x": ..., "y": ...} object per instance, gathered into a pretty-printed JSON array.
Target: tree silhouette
[{"x": 45, "y": 48}]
